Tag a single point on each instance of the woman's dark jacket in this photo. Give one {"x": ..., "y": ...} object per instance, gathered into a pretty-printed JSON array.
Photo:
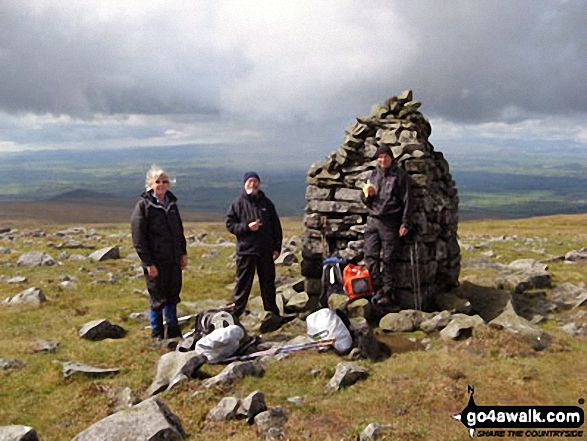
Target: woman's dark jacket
[
  {"x": 157, "y": 232},
  {"x": 393, "y": 200},
  {"x": 246, "y": 209}
]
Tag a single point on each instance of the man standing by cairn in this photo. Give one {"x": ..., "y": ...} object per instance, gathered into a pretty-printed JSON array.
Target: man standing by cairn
[
  {"x": 388, "y": 198},
  {"x": 252, "y": 218}
]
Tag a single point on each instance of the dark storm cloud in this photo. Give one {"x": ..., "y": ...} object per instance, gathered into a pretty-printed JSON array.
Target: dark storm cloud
[{"x": 294, "y": 62}]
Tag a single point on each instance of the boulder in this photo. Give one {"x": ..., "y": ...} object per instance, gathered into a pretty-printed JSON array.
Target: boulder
[
  {"x": 436, "y": 323},
  {"x": 271, "y": 423},
  {"x": 106, "y": 253},
  {"x": 461, "y": 327},
  {"x": 13, "y": 364},
  {"x": 513, "y": 323},
  {"x": 373, "y": 432},
  {"x": 233, "y": 372},
  {"x": 226, "y": 409},
  {"x": 173, "y": 368},
  {"x": 347, "y": 374},
  {"x": 359, "y": 308},
  {"x": 31, "y": 295},
  {"x": 252, "y": 405},
  {"x": 101, "y": 329},
  {"x": 150, "y": 420},
  {"x": 35, "y": 258},
  {"x": 396, "y": 322}
]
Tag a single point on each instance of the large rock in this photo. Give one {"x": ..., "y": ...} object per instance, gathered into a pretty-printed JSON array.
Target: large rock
[
  {"x": 226, "y": 409},
  {"x": 513, "y": 323},
  {"x": 150, "y": 420},
  {"x": 35, "y": 258},
  {"x": 461, "y": 327},
  {"x": 173, "y": 368},
  {"x": 271, "y": 423},
  {"x": 436, "y": 323},
  {"x": 101, "y": 329},
  {"x": 18, "y": 433},
  {"x": 235, "y": 371},
  {"x": 252, "y": 405},
  {"x": 347, "y": 374},
  {"x": 396, "y": 322},
  {"x": 31, "y": 295},
  {"x": 519, "y": 281},
  {"x": 105, "y": 254}
]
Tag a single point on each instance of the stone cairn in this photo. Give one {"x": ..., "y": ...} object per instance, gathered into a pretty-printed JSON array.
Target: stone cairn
[{"x": 335, "y": 217}]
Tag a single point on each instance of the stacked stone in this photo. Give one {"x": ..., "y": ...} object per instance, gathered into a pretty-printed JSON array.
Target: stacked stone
[{"x": 335, "y": 216}]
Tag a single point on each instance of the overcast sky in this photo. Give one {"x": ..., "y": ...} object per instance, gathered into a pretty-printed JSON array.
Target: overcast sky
[{"x": 284, "y": 78}]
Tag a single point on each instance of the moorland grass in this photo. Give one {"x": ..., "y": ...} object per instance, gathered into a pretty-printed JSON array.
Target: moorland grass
[{"x": 415, "y": 393}]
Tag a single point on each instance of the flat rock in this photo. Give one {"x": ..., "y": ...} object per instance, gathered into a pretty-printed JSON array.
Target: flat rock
[
  {"x": 45, "y": 345},
  {"x": 18, "y": 433},
  {"x": 150, "y": 420},
  {"x": 106, "y": 253},
  {"x": 71, "y": 368},
  {"x": 436, "y": 323}
]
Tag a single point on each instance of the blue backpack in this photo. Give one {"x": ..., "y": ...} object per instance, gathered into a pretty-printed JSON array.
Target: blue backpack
[{"x": 332, "y": 281}]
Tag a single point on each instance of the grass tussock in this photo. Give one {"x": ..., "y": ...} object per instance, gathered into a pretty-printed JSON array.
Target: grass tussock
[{"x": 413, "y": 393}]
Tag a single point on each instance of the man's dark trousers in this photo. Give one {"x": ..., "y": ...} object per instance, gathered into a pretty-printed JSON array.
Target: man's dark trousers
[
  {"x": 381, "y": 248},
  {"x": 245, "y": 272}
]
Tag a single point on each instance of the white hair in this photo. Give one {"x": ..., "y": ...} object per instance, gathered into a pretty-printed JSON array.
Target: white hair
[{"x": 154, "y": 173}]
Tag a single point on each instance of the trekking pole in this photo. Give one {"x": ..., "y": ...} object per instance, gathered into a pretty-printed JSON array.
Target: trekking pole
[
  {"x": 414, "y": 261},
  {"x": 418, "y": 285},
  {"x": 325, "y": 251}
]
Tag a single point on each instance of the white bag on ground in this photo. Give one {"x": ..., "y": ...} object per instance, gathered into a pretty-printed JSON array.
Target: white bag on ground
[
  {"x": 220, "y": 343},
  {"x": 324, "y": 323}
]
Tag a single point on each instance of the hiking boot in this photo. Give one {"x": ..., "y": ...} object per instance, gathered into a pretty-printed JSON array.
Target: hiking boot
[
  {"x": 157, "y": 335},
  {"x": 174, "y": 332},
  {"x": 270, "y": 322}
]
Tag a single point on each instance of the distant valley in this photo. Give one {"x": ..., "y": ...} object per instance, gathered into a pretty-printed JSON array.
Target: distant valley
[{"x": 490, "y": 186}]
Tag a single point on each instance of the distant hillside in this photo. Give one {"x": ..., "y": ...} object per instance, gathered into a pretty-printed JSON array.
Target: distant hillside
[{"x": 83, "y": 196}]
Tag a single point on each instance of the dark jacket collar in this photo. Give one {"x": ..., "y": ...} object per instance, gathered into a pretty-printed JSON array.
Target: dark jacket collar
[{"x": 150, "y": 197}]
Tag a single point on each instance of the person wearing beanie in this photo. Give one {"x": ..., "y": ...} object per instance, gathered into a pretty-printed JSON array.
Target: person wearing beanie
[
  {"x": 388, "y": 197},
  {"x": 253, "y": 219}
]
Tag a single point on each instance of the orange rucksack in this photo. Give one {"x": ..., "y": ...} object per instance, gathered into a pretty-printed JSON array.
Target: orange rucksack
[{"x": 357, "y": 282}]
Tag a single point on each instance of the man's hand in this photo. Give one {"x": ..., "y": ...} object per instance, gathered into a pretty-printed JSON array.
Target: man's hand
[
  {"x": 184, "y": 261},
  {"x": 403, "y": 231},
  {"x": 254, "y": 226},
  {"x": 152, "y": 271},
  {"x": 275, "y": 255}
]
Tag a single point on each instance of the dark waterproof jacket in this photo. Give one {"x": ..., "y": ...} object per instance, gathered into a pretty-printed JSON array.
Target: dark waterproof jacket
[
  {"x": 246, "y": 209},
  {"x": 157, "y": 232},
  {"x": 393, "y": 199}
]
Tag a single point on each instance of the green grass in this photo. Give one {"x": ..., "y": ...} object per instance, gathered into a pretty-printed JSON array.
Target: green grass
[{"x": 415, "y": 393}]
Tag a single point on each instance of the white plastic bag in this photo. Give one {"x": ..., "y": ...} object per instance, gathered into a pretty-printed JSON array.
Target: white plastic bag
[
  {"x": 324, "y": 323},
  {"x": 220, "y": 343}
]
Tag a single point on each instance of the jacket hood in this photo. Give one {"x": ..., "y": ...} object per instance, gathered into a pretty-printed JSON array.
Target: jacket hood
[{"x": 148, "y": 195}]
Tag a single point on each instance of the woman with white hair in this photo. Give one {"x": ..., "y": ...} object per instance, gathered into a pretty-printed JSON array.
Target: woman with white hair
[{"x": 157, "y": 233}]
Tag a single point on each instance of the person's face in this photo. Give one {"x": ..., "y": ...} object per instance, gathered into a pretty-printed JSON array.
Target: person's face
[
  {"x": 160, "y": 186},
  {"x": 384, "y": 161},
  {"x": 252, "y": 185}
]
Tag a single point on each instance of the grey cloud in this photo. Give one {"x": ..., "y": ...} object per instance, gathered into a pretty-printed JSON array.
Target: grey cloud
[{"x": 468, "y": 61}]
